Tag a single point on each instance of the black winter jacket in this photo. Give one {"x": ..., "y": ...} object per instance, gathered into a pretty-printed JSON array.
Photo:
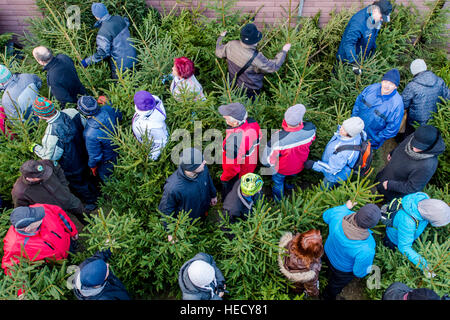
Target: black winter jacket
[
  {"x": 184, "y": 193},
  {"x": 113, "y": 289},
  {"x": 407, "y": 172},
  {"x": 235, "y": 205},
  {"x": 63, "y": 81},
  {"x": 421, "y": 96}
]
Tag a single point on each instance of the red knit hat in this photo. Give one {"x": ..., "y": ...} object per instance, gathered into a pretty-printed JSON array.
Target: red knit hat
[{"x": 43, "y": 107}]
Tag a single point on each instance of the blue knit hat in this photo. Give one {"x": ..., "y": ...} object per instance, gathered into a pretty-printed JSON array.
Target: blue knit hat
[
  {"x": 393, "y": 76},
  {"x": 88, "y": 106},
  {"x": 94, "y": 273},
  {"x": 99, "y": 10},
  {"x": 5, "y": 74}
]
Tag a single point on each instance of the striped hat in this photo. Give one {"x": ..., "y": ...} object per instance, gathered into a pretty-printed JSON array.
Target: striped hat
[
  {"x": 5, "y": 74},
  {"x": 43, "y": 107},
  {"x": 88, "y": 106}
]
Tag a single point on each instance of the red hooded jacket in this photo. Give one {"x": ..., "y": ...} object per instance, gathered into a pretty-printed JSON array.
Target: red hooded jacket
[
  {"x": 240, "y": 150},
  {"x": 52, "y": 240}
]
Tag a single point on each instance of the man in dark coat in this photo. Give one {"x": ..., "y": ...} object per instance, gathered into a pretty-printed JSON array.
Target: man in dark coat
[
  {"x": 400, "y": 291},
  {"x": 422, "y": 94},
  {"x": 95, "y": 280},
  {"x": 101, "y": 121},
  {"x": 200, "y": 279},
  {"x": 411, "y": 164},
  {"x": 43, "y": 182},
  {"x": 63, "y": 142},
  {"x": 62, "y": 77},
  {"x": 361, "y": 33},
  {"x": 113, "y": 41},
  {"x": 189, "y": 188}
]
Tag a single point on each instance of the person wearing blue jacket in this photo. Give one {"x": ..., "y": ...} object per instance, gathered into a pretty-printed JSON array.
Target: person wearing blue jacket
[
  {"x": 359, "y": 39},
  {"x": 100, "y": 123},
  {"x": 381, "y": 108},
  {"x": 337, "y": 166},
  {"x": 417, "y": 211},
  {"x": 350, "y": 246},
  {"x": 113, "y": 41},
  {"x": 95, "y": 280},
  {"x": 200, "y": 279}
]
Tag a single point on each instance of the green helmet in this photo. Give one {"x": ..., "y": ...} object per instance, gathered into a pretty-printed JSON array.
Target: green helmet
[{"x": 251, "y": 184}]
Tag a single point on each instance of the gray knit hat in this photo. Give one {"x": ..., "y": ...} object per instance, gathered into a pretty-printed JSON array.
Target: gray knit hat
[
  {"x": 294, "y": 115},
  {"x": 418, "y": 66},
  {"x": 353, "y": 126},
  {"x": 437, "y": 212}
]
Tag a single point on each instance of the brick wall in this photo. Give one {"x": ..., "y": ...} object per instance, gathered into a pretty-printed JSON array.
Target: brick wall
[{"x": 13, "y": 12}]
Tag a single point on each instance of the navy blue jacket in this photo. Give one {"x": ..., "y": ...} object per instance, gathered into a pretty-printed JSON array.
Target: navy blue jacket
[
  {"x": 113, "y": 40},
  {"x": 421, "y": 96},
  {"x": 184, "y": 193},
  {"x": 63, "y": 81},
  {"x": 113, "y": 289},
  {"x": 359, "y": 37},
  {"x": 99, "y": 147}
]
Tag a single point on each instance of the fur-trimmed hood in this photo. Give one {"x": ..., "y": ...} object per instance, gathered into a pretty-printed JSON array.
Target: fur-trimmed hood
[{"x": 292, "y": 276}]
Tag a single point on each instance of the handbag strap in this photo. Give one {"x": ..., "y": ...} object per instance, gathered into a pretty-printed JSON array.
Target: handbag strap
[{"x": 245, "y": 67}]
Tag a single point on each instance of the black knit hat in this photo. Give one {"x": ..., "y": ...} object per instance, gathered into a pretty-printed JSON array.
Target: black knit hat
[
  {"x": 368, "y": 216},
  {"x": 423, "y": 294},
  {"x": 424, "y": 137},
  {"x": 250, "y": 34},
  {"x": 191, "y": 159}
]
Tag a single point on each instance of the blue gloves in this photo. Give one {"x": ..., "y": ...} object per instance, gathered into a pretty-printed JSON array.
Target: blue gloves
[{"x": 84, "y": 63}]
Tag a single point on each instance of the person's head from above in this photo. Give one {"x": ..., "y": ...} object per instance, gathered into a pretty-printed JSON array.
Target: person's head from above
[
  {"x": 250, "y": 34},
  {"x": 234, "y": 114},
  {"x": 5, "y": 74},
  {"x": 422, "y": 294},
  {"x": 381, "y": 11},
  {"x": 183, "y": 68},
  {"x": 94, "y": 274},
  {"x": 42, "y": 55},
  {"x": 251, "y": 184},
  {"x": 424, "y": 138},
  {"x": 368, "y": 216},
  {"x": 99, "y": 10},
  {"x": 88, "y": 106},
  {"x": 418, "y": 66},
  {"x": 43, "y": 108},
  {"x": 201, "y": 274},
  {"x": 435, "y": 211},
  {"x": 27, "y": 219},
  {"x": 351, "y": 127},
  {"x": 308, "y": 245},
  {"x": 294, "y": 115},
  {"x": 390, "y": 82},
  {"x": 192, "y": 162},
  {"x": 33, "y": 171}
]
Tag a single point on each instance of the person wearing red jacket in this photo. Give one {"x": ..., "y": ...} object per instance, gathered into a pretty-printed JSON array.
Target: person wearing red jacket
[
  {"x": 38, "y": 232},
  {"x": 240, "y": 147},
  {"x": 288, "y": 149}
]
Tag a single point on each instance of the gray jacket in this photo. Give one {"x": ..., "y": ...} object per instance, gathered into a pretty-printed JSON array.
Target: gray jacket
[
  {"x": 421, "y": 96},
  {"x": 238, "y": 53},
  {"x": 20, "y": 92},
  {"x": 192, "y": 292}
]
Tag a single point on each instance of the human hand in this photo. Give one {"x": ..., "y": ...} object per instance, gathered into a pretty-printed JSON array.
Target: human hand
[
  {"x": 287, "y": 47},
  {"x": 170, "y": 238},
  {"x": 75, "y": 237},
  {"x": 102, "y": 100},
  {"x": 429, "y": 274},
  {"x": 389, "y": 157},
  {"x": 33, "y": 146},
  {"x": 223, "y": 34},
  {"x": 350, "y": 204},
  {"x": 309, "y": 164},
  {"x": 94, "y": 171},
  {"x": 357, "y": 70},
  {"x": 385, "y": 184},
  {"x": 213, "y": 201}
]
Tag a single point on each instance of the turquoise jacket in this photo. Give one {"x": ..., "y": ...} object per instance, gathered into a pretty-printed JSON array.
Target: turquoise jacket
[{"x": 405, "y": 231}]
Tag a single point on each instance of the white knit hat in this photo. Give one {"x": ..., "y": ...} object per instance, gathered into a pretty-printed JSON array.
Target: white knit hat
[
  {"x": 437, "y": 212},
  {"x": 201, "y": 273},
  {"x": 353, "y": 126},
  {"x": 418, "y": 66}
]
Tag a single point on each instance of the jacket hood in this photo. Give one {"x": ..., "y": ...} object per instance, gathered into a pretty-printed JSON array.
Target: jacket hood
[
  {"x": 100, "y": 118},
  {"x": 186, "y": 284},
  {"x": 411, "y": 201},
  {"x": 438, "y": 148},
  {"x": 426, "y": 78}
]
